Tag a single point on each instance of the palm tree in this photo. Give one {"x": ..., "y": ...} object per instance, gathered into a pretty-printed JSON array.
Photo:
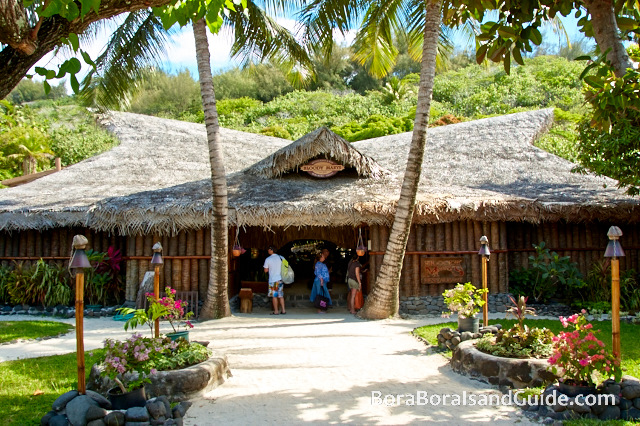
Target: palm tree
[
  {"x": 217, "y": 303},
  {"x": 383, "y": 300},
  {"x": 256, "y": 35},
  {"x": 422, "y": 22}
]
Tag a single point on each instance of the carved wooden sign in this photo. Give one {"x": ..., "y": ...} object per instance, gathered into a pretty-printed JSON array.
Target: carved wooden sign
[
  {"x": 439, "y": 270},
  {"x": 322, "y": 168}
]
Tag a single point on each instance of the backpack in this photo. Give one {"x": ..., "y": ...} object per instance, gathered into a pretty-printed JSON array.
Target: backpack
[{"x": 286, "y": 271}]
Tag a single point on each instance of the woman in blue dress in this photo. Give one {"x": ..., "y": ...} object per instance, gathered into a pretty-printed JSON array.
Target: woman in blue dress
[{"x": 322, "y": 279}]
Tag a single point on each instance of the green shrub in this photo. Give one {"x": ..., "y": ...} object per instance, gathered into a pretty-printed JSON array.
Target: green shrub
[
  {"x": 548, "y": 275},
  {"x": 276, "y": 131},
  {"x": 518, "y": 342}
]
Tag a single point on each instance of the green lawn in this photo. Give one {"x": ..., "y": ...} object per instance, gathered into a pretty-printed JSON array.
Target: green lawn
[
  {"x": 628, "y": 337},
  {"x": 12, "y": 330},
  {"x": 28, "y": 387}
]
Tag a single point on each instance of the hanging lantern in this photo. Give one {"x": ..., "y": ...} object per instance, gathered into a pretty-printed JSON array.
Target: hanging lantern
[{"x": 361, "y": 249}]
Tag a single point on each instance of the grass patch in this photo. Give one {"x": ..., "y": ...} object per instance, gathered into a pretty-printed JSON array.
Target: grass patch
[
  {"x": 593, "y": 422},
  {"x": 12, "y": 330},
  {"x": 628, "y": 337},
  {"x": 28, "y": 387}
]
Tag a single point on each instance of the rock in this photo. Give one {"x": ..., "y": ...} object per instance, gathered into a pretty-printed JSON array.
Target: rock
[
  {"x": 180, "y": 409},
  {"x": 159, "y": 421},
  {"x": 520, "y": 371},
  {"x": 95, "y": 412},
  {"x": 466, "y": 335},
  {"x": 610, "y": 413},
  {"x": 631, "y": 414},
  {"x": 631, "y": 391},
  {"x": 636, "y": 403},
  {"x": 625, "y": 404},
  {"x": 115, "y": 418},
  {"x": 97, "y": 422},
  {"x": 167, "y": 404},
  {"x": 101, "y": 400},
  {"x": 455, "y": 340},
  {"x": 598, "y": 409},
  {"x": 612, "y": 388},
  {"x": 44, "y": 421},
  {"x": 629, "y": 380},
  {"x": 156, "y": 409},
  {"x": 170, "y": 422},
  {"x": 77, "y": 409},
  {"x": 58, "y": 420},
  {"x": 63, "y": 399},
  {"x": 136, "y": 414},
  {"x": 446, "y": 333},
  {"x": 580, "y": 406}
]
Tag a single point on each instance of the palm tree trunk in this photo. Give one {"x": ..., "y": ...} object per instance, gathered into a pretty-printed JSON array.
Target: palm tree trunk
[
  {"x": 605, "y": 31},
  {"x": 216, "y": 304},
  {"x": 383, "y": 301}
]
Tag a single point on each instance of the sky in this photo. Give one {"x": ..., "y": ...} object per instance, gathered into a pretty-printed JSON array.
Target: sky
[{"x": 181, "y": 53}]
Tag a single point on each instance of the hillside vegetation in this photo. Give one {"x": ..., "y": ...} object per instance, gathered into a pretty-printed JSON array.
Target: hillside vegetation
[{"x": 60, "y": 127}]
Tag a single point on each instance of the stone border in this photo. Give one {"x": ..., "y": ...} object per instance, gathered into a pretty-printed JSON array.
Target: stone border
[
  {"x": 511, "y": 372},
  {"x": 178, "y": 385}
]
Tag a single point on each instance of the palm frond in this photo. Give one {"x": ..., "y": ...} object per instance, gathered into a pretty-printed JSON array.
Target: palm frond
[
  {"x": 374, "y": 43},
  {"x": 136, "y": 44},
  {"x": 320, "y": 18},
  {"x": 258, "y": 37}
]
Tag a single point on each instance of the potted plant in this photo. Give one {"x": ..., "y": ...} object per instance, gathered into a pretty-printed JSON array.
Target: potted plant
[
  {"x": 580, "y": 359},
  {"x": 130, "y": 363},
  {"x": 466, "y": 300}
]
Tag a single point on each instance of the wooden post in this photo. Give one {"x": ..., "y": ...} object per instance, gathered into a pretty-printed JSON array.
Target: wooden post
[
  {"x": 78, "y": 262},
  {"x": 615, "y": 307},
  {"x": 82, "y": 388},
  {"x": 156, "y": 261},
  {"x": 484, "y": 255},
  {"x": 485, "y": 307},
  {"x": 614, "y": 251},
  {"x": 156, "y": 295}
]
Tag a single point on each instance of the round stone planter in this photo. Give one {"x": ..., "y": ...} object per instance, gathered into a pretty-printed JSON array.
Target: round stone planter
[
  {"x": 178, "y": 385},
  {"x": 511, "y": 372}
]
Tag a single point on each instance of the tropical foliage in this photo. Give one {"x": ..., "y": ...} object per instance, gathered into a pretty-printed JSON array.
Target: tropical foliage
[{"x": 40, "y": 283}]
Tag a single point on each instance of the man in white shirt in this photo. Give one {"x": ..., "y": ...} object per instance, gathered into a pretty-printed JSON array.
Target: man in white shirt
[{"x": 272, "y": 265}]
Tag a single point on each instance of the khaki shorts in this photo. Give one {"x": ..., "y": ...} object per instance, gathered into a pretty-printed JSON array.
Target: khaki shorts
[{"x": 353, "y": 284}]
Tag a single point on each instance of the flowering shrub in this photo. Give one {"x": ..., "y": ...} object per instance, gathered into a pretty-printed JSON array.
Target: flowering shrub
[
  {"x": 464, "y": 299},
  {"x": 579, "y": 357},
  {"x": 173, "y": 310},
  {"x": 167, "y": 308},
  {"x": 129, "y": 362}
]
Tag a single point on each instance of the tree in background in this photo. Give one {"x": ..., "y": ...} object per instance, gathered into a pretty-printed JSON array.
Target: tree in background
[{"x": 28, "y": 91}]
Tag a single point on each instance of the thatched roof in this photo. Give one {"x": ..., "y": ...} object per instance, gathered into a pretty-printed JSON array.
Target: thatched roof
[
  {"x": 157, "y": 180},
  {"x": 321, "y": 143}
]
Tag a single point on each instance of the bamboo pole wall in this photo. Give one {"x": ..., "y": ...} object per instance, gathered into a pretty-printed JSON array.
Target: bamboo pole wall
[{"x": 584, "y": 243}]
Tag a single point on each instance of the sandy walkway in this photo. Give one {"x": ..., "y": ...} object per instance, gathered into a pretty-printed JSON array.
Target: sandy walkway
[{"x": 305, "y": 367}]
